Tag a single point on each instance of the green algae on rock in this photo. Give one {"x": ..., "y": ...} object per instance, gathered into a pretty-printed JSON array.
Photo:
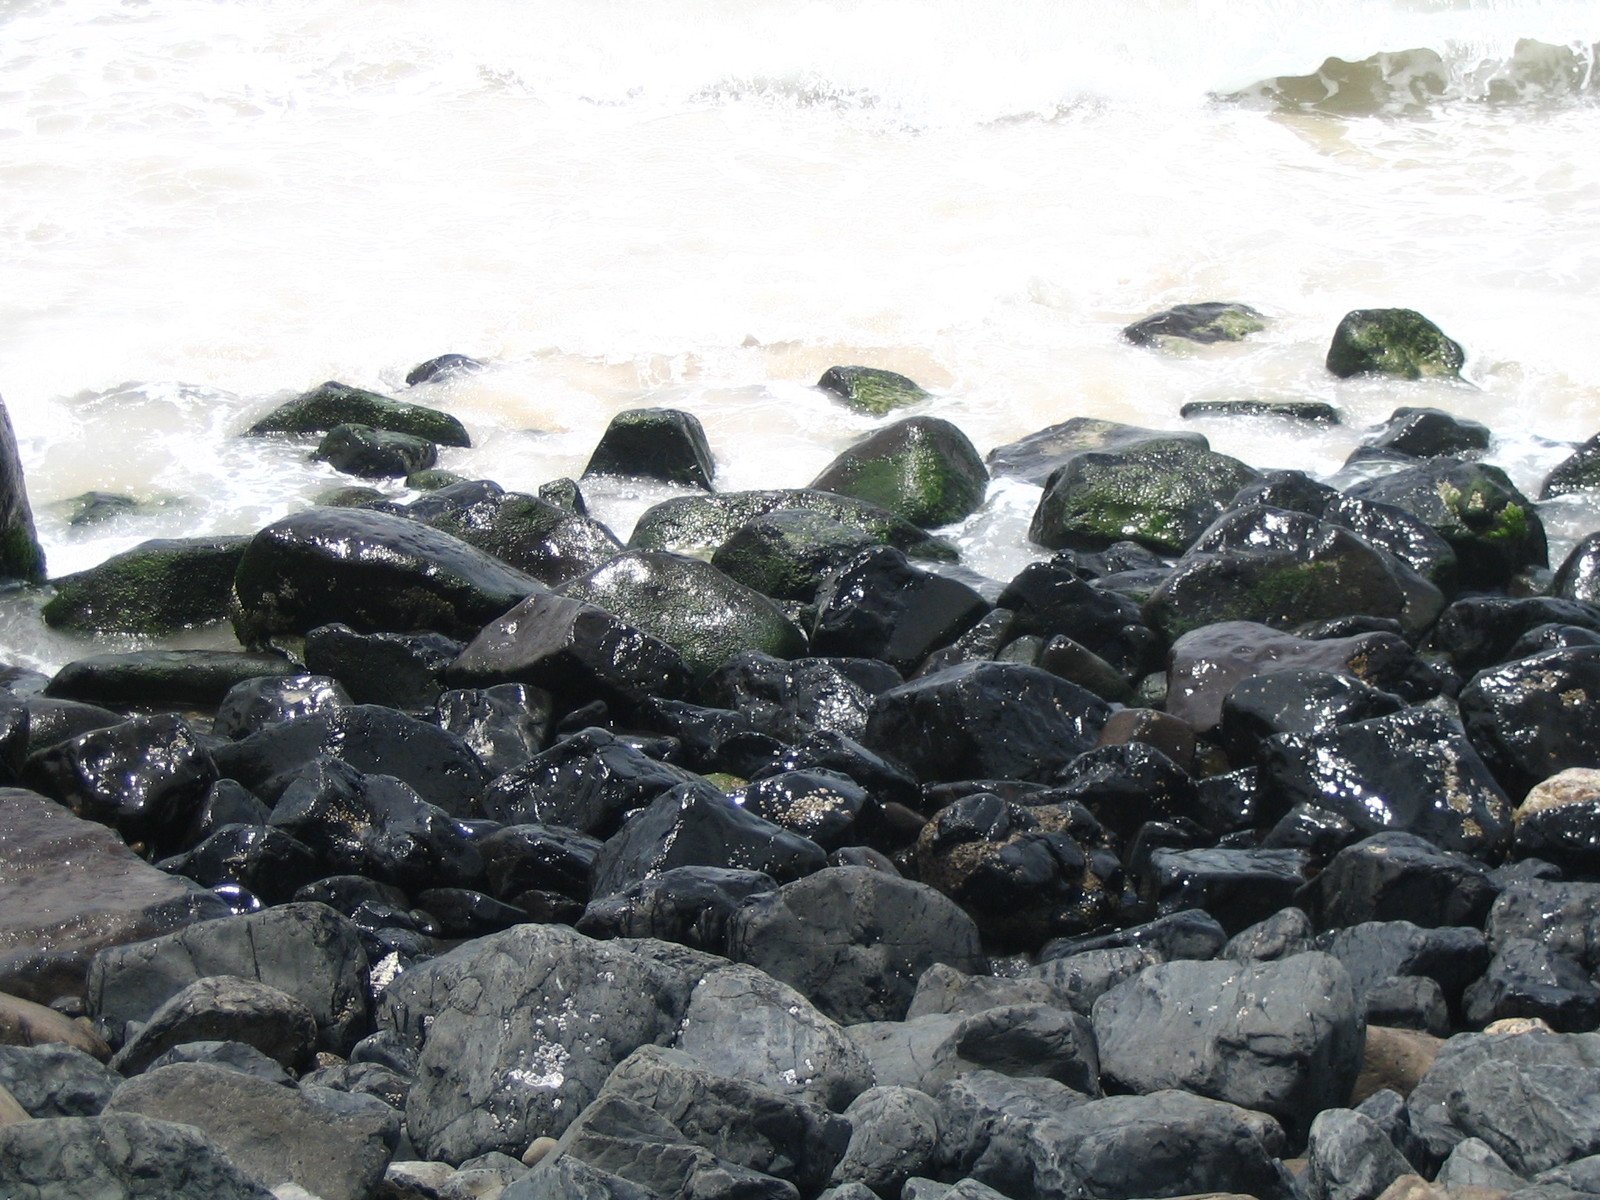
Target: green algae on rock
[
  {"x": 1393, "y": 341},
  {"x": 333, "y": 404},
  {"x": 158, "y": 586},
  {"x": 1213, "y": 321},
  {"x": 922, "y": 468},
  {"x": 655, "y": 443},
  {"x": 870, "y": 390}
]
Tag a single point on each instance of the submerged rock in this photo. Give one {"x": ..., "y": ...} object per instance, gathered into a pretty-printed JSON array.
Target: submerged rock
[
  {"x": 871, "y": 390},
  {"x": 333, "y": 404},
  {"x": 1213, "y": 321},
  {"x": 1392, "y": 341}
]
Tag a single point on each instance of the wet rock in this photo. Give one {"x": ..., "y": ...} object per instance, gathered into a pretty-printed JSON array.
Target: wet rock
[
  {"x": 1430, "y": 432},
  {"x": 1050, "y": 599},
  {"x": 333, "y": 1146},
  {"x": 1480, "y": 631},
  {"x": 235, "y": 1056},
  {"x": 56, "y": 1080},
  {"x": 306, "y": 950},
  {"x": 943, "y": 989},
  {"x": 787, "y": 553},
  {"x": 691, "y": 606},
  {"x": 871, "y": 390},
  {"x": 1286, "y": 932},
  {"x": 1577, "y": 473},
  {"x": 253, "y": 704},
  {"x": 1161, "y": 495},
  {"x": 21, "y": 557},
  {"x": 399, "y": 670},
  {"x": 551, "y": 542},
  {"x": 442, "y": 369},
  {"x": 1472, "y": 1164},
  {"x": 1350, "y": 1158},
  {"x": 688, "y": 905},
  {"x": 1212, "y": 321},
  {"x": 372, "y": 571},
  {"x": 523, "y": 861},
  {"x": 266, "y": 861},
  {"x": 121, "y": 1155},
  {"x": 1409, "y": 538},
  {"x": 1392, "y": 341},
  {"x": 1237, "y": 886},
  {"x": 1375, "y": 951},
  {"x": 505, "y": 725},
  {"x": 985, "y": 721},
  {"x": 1312, "y": 412},
  {"x": 699, "y": 525},
  {"x": 161, "y": 678},
  {"x": 917, "y": 1053},
  {"x": 878, "y": 605},
  {"x": 1563, "y": 917},
  {"x": 1296, "y": 700},
  {"x": 1023, "y": 874},
  {"x": 820, "y": 805},
  {"x": 696, "y": 825},
  {"x": 1397, "y": 876},
  {"x": 462, "y": 913},
  {"x": 1559, "y": 821},
  {"x": 1031, "y": 1041},
  {"x": 1536, "y": 717},
  {"x": 156, "y": 587},
  {"x": 1578, "y": 576},
  {"x": 654, "y": 443},
  {"x": 1125, "y": 786},
  {"x": 368, "y": 737},
  {"x": 853, "y": 940},
  {"x": 1492, "y": 527},
  {"x": 1282, "y": 1037},
  {"x": 709, "y": 740},
  {"x": 1414, "y": 771},
  {"x": 225, "y": 1008},
  {"x": 370, "y": 453},
  {"x": 1408, "y": 1002},
  {"x": 1527, "y": 979},
  {"x": 1036, "y": 457},
  {"x": 894, "y": 1134},
  {"x": 887, "y": 782},
  {"x": 42, "y": 722},
  {"x": 332, "y": 404},
  {"x": 791, "y": 699},
  {"x": 922, "y": 468},
  {"x": 1192, "y": 934}
]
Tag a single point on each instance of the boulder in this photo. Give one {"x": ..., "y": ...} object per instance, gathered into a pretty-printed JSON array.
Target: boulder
[
  {"x": 21, "y": 557},
  {"x": 1036, "y": 457},
  {"x": 1050, "y": 599},
  {"x": 870, "y": 390},
  {"x": 157, "y": 587},
  {"x": 1430, "y": 432},
  {"x": 654, "y": 443},
  {"x": 333, "y": 404},
  {"x": 268, "y": 863},
  {"x": 398, "y": 670},
  {"x": 253, "y": 704},
  {"x": 877, "y": 605},
  {"x": 161, "y": 678},
  {"x": 1528, "y": 979},
  {"x": 1397, "y": 876},
  {"x": 1192, "y": 934},
  {"x": 1536, "y": 717},
  {"x": 549, "y": 541},
  {"x": 1392, "y": 341},
  {"x": 225, "y": 1008},
  {"x": 688, "y": 905},
  {"x": 1237, "y": 885},
  {"x": 1296, "y": 700},
  {"x": 56, "y": 1080},
  {"x": 505, "y": 724},
  {"x": 1376, "y": 951},
  {"x": 1563, "y": 917},
  {"x": 1478, "y": 632},
  {"x": 791, "y": 699},
  {"x": 1409, "y": 538},
  {"x": 1350, "y": 1158},
  {"x": 1578, "y": 576},
  {"x": 442, "y": 369},
  {"x": 1559, "y": 821},
  {"x": 922, "y": 468},
  {"x": 1579, "y": 472},
  {"x": 1211, "y": 321},
  {"x": 894, "y": 1134},
  {"x": 789, "y": 552},
  {"x": 1312, "y": 412},
  {"x": 369, "y": 453},
  {"x": 821, "y": 805}
]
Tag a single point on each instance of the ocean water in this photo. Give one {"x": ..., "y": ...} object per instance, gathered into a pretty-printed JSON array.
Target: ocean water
[{"x": 207, "y": 207}]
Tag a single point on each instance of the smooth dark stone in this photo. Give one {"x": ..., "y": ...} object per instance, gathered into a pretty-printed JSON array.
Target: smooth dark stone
[
  {"x": 1375, "y": 951},
  {"x": 710, "y": 739},
  {"x": 1480, "y": 631},
  {"x": 1125, "y": 786},
  {"x": 1409, "y": 1002},
  {"x": 235, "y": 1056},
  {"x": 1238, "y": 887},
  {"x": 1036, "y": 457},
  {"x": 1578, "y": 576},
  {"x": 1392, "y": 341},
  {"x": 1527, "y": 979},
  {"x": 688, "y": 905},
  {"x": 266, "y": 860},
  {"x": 878, "y": 605},
  {"x": 821, "y": 805},
  {"x": 463, "y": 913},
  {"x": 1296, "y": 700},
  {"x": 1212, "y": 321},
  {"x": 398, "y": 670},
  {"x": 1050, "y": 599},
  {"x": 1312, "y": 412},
  {"x": 21, "y": 557},
  {"x": 227, "y": 802},
  {"x": 1553, "y": 636},
  {"x": 1578, "y": 473},
  {"x": 827, "y": 751},
  {"x": 788, "y": 553},
  {"x": 1430, "y": 432},
  {"x": 1191, "y": 934},
  {"x": 505, "y": 725},
  {"x": 224, "y": 1008},
  {"x": 894, "y": 1134},
  {"x": 550, "y": 542},
  {"x": 1564, "y": 917},
  {"x": 1400, "y": 877},
  {"x": 51, "y": 722},
  {"x": 161, "y": 677},
  {"x": 1409, "y": 538},
  {"x": 1559, "y": 821},
  {"x": 157, "y": 587},
  {"x": 369, "y": 453},
  {"x": 871, "y": 390},
  {"x": 922, "y": 468},
  {"x": 1538, "y": 716},
  {"x": 1231, "y": 802},
  {"x": 564, "y": 493},
  {"x": 530, "y": 857},
  {"x": 254, "y": 704},
  {"x": 333, "y": 404},
  {"x": 1286, "y": 932},
  {"x": 442, "y": 368},
  {"x": 654, "y": 443}
]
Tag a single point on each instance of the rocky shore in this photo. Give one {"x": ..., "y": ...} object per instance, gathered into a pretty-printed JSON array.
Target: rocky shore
[{"x": 1246, "y": 842}]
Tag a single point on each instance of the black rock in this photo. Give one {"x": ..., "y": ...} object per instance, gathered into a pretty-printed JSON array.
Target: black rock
[
  {"x": 235, "y": 1056},
  {"x": 878, "y": 605},
  {"x": 369, "y": 570},
  {"x": 1375, "y": 951},
  {"x": 1285, "y": 933},
  {"x": 50, "y": 722},
  {"x": 791, "y": 699},
  {"x": 21, "y": 557},
  {"x": 1409, "y": 538},
  {"x": 504, "y": 725},
  {"x": 710, "y": 740},
  {"x": 1050, "y": 599},
  {"x": 54, "y": 1080},
  {"x": 269, "y": 862},
  {"x": 549, "y": 541},
  {"x": 444, "y": 367},
  {"x": 1312, "y": 412},
  {"x": 157, "y": 587},
  {"x": 1430, "y": 432},
  {"x": 1409, "y": 1002},
  {"x": 1563, "y": 917},
  {"x": 370, "y": 453},
  {"x": 1396, "y": 876},
  {"x": 1535, "y": 717},
  {"x": 1578, "y": 473},
  {"x": 1528, "y": 979},
  {"x": 1126, "y": 785},
  {"x": 462, "y": 913},
  {"x": 1296, "y": 700},
  {"x": 871, "y": 390},
  {"x": 1392, "y": 341},
  {"x": 564, "y": 493},
  {"x": 1036, "y": 457},
  {"x": 922, "y": 468},
  {"x": 1191, "y": 934},
  {"x": 1480, "y": 631},
  {"x": 399, "y": 670},
  {"x": 334, "y": 404},
  {"x": 1578, "y": 576},
  {"x": 524, "y": 858},
  {"x": 253, "y": 704},
  {"x": 1551, "y": 637},
  {"x": 1238, "y": 887},
  {"x": 1559, "y": 822},
  {"x": 787, "y": 553},
  {"x": 654, "y": 443},
  {"x": 1213, "y": 321},
  {"x": 688, "y": 905},
  {"x": 161, "y": 678},
  {"x": 821, "y": 805}
]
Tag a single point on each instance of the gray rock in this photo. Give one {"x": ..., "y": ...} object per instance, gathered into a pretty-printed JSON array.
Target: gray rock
[
  {"x": 1285, "y": 933},
  {"x": 849, "y": 1191},
  {"x": 853, "y": 940},
  {"x": 121, "y": 1156},
  {"x": 306, "y": 950},
  {"x": 917, "y": 1053},
  {"x": 235, "y": 1056},
  {"x": 1375, "y": 951},
  {"x": 1283, "y": 1037},
  {"x": 1081, "y": 979},
  {"x": 894, "y": 1134},
  {"x": 986, "y": 1115},
  {"x": 744, "y": 1024},
  {"x": 279, "y": 1135},
  {"x": 1582, "y": 1174},
  {"x": 55, "y": 1080},
  {"x": 1473, "y": 1163},
  {"x": 1031, "y": 1040},
  {"x": 943, "y": 989},
  {"x": 569, "y": 1178},
  {"x": 224, "y": 1008},
  {"x": 1408, "y": 1002},
  {"x": 1563, "y": 917},
  {"x": 1350, "y": 1158},
  {"x": 1527, "y": 979}
]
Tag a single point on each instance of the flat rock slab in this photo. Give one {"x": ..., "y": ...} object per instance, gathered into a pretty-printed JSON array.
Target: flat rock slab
[{"x": 69, "y": 888}]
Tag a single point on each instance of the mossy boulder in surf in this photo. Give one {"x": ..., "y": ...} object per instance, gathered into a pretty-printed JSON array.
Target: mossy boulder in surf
[
  {"x": 1312, "y": 412},
  {"x": 20, "y": 554},
  {"x": 655, "y": 443},
  {"x": 156, "y": 587},
  {"x": 1212, "y": 321},
  {"x": 1393, "y": 341},
  {"x": 546, "y": 540},
  {"x": 1039, "y": 455},
  {"x": 922, "y": 468},
  {"x": 1161, "y": 495},
  {"x": 786, "y": 554},
  {"x": 333, "y": 404},
  {"x": 374, "y": 453},
  {"x": 871, "y": 390}
]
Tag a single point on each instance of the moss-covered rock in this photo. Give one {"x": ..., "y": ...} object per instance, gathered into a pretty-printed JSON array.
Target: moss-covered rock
[
  {"x": 20, "y": 554},
  {"x": 1161, "y": 495},
  {"x": 655, "y": 443},
  {"x": 1039, "y": 455},
  {"x": 691, "y": 606},
  {"x": 922, "y": 468},
  {"x": 333, "y": 404},
  {"x": 786, "y": 554},
  {"x": 156, "y": 587},
  {"x": 353, "y": 496},
  {"x": 564, "y": 493},
  {"x": 374, "y": 453},
  {"x": 871, "y": 390},
  {"x": 162, "y": 677},
  {"x": 1312, "y": 412},
  {"x": 547, "y": 541},
  {"x": 95, "y": 508},
  {"x": 698, "y": 525},
  {"x": 1213, "y": 321},
  {"x": 1393, "y": 341},
  {"x": 1579, "y": 472},
  {"x": 432, "y": 479}
]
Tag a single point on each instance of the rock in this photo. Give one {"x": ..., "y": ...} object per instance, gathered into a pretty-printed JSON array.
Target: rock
[
  {"x": 1563, "y": 917},
  {"x": 306, "y": 950},
  {"x": 712, "y": 741},
  {"x": 1237, "y": 886},
  {"x": 1192, "y": 934},
  {"x": 821, "y": 805},
  {"x": 1408, "y": 1002},
  {"x": 654, "y": 443},
  {"x": 569, "y": 1178},
  {"x": 461, "y": 913},
  {"x": 372, "y": 571},
  {"x": 688, "y": 905},
  {"x": 563, "y": 1011},
  {"x": 1473, "y": 1164},
  {"x": 853, "y": 940},
  {"x": 878, "y": 605},
  {"x": 1296, "y": 700},
  {"x": 921, "y": 468},
  {"x": 573, "y": 649},
  {"x": 1430, "y": 432},
  {"x": 280, "y": 1135},
  {"x": 442, "y": 369},
  {"x": 373, "y": 740},
  {"x": 1031, "y": 1041},
  {"x": 1492, "y": 527},
  {"x": 398, "y": 670},
  {"x": 894, "y": 1134},
  {"x": 1050, "y": 600},
  {"x": 1397, "y": 876},
  {"x": 1285, "y": 933},
  {"x": 1527, "y": 979},
  {"x": 1578, "y": 576},
  {"x": 55, "y": 1080},
  {"x": 871, "y": 390},
  {"x": 1478, "y": 632},
  {"x": 505, "y": 724},
  {"x": 743, "y": 1024},
  {"x": 1394, "y": 1060},
  {"x": 21, "y": 557},
  {"x": 254, "y": 704},
  {"x": 265, "y": 861},
  {"x": 157, "y": 587},
  {"x": 699, "y": 525},
  {"x": 943, "y": 989},
  {"x": 225, "y": 1008},
  {"x": 1579, "y": 472},
  {"x": 1535, "y": 717},
  {"x": 1312, "y": 412},
  {"x": 369, "y": 453},
  {"x": 1375, "y": 951},
  {"x": 985, "y": 721},
  {"x": 324, "y": 408},
  {"x": 1125, "y": 786},
  {"x": 1409, "y": 538},
  {"x": 1161, "y": 495},
  {"x": 919, "y": 1053},
  {"x": 1559, "y": 821},
  {"x": 1414, "y": 771},
  {"x": 1036, "y": 457},
  {"x": 1392, "y": 341},
  {"x": 1212, "y": 321},
  {"x": 161, "y": 678},
  {"x": 69, "y": 888},
  {"x": 1350, "y": 1158},
  {"x": 788, "y": 553},
  {"x": 790, "y": 699},
  {"x": 550, "y": 542},
  {"x": 235, "y": 1056},
  {"x": 120, "y": 1155}
]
